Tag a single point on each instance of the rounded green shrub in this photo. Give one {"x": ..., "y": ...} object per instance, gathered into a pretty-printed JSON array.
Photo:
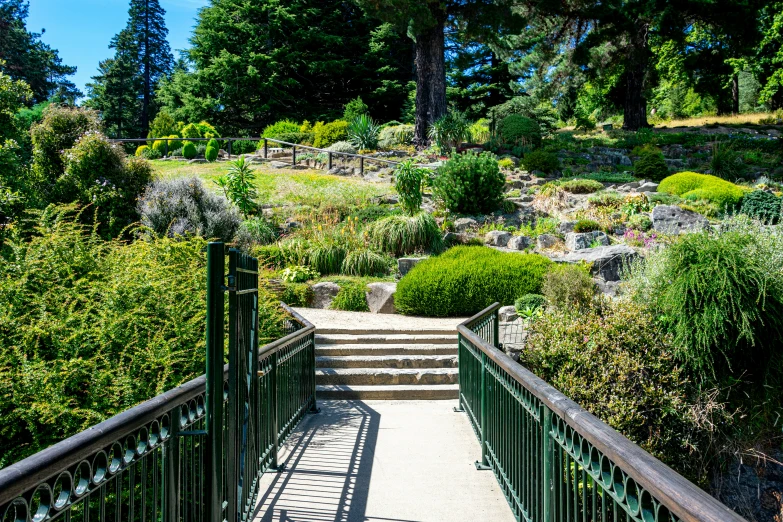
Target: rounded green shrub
[
  {"x": 159, "y": 146},
  {"x": 651, "y": 164},
  {"x": 190, "y": 131},
  {"x": 467, "y": 279},
  {"x": 279, "y": 128},
  {"x": 530, "y": 302},
  {"x": 207, "y": 130},
  {"x": 140, "y": 151},
  {"x": 213, "y": 143},
  {"x": 586, "y": 225},
  {"x": 762, "y": 205},
  {"x": 506, "y": 163},
  {"x": 640, "y": 222},
  {"x": 328, "y": 133},
  {"x": 691, "y": 185},
  {"x": 351, "y": 297},
  {"x": 516, "y": 129},
  {"x": 342, "y": 146},
  {"x": 581, "y": 186},
  {"x": 541, "y": 160},
  {"x": 470, "y": 183},
  {"x": 211, "y": 153},
  {"x": 174, "y": 143},
  {"x": 189, "y": 150}
]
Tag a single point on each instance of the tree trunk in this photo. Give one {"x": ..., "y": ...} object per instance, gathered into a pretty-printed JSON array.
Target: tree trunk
[
  {"x": 735, "y": 94},
  {"x": 494, "y": 93},
  {"x": 637, "y": 64},
  {"x": 430, "y": 79},
  {"x": 145, "y": 110}
]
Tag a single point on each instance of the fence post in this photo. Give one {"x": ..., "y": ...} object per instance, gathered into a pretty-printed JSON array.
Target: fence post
[
  {"x": 229, "y": 149},
  {"x": 361, "y": 165},
  {"x": 275, "y": 424},
  {"x": 496, "y": 329},
  {"x": 216, "y": 265},
  {"x": 167, "y": 148},
  {"x": 329, "y": 164},
  {"x": 314, "y": 408},
  {"x": 484, "y": 464},
  {"x": 266, "y": 149},
  {"x": 548, "y": 457},
  {"x": 171, "y": 473},
  {"x": 293, "y": 155},
  {"x": 458, "y": 408}
]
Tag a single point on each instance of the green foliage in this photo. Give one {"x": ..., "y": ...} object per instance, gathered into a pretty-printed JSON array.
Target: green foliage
[
  {"x": 296, "y": 294},
  {"x": 506, "y": 163},
  {"x": 329, "y": 133},
  {"x": 402, "y": 235},
  {"x": 530, "y": 302},
  {"x": 516, "y": 130},
  {"x": 640, "y": 222},
  {"x": 450, "y": 130},
  {"x": 351, "y": 297},
  {"x": 607, "y": 177},
  {"x": 255, "y": 231},
  {"x": 116, "y": 323},
  {"x": 688, "y": 185},
  {"x": 141, "y": 151},
  {"x": 395, "y": 136},
  {"x": 207, "y": 130},
  {"x": 366, "y": 262},
  {"x": 581, "y": 186},
  {"x": 342, "y": 146},
  {"x": 541, "y": 160},
  {"x": 726, "y": 161},
  {"x": 174, "y": 143},
  {"x": 160, "y": 147},
  {"x": 298, "y": 274},
  {"x": 190, "y": 131},
  {"x": 651, "y": 164},
  {"x": 363, "y": 133},
  {"x": 211, "y": 154},
  {"x": 569, "y": 287},
  {"x": 479, "y": 131},
  {"x": 408, "y": 179},
  {"x": 720, "y": 293},
  {"x": 183, "y": 207},
  {"x": 163, "y": 125},
  {"x": 244, "y": 147},
  {"x": 279, "y": 128},
  {"x": 213, "y": 143},
  {"x": 355, "y": 108},
  {"x": 762, "y": 205},
  {"x": 238, "y": 186},
  {"x": 586, "y": 225},
  {"x": 467, "y": 279},
  {"x": 470, "y": 183},
  {"x": 189, "y": 150}
]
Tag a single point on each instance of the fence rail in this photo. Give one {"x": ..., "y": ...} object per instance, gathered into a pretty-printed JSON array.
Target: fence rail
[
  {"x": 195, "y": 452},
  {"x": 555, "y": 461}
]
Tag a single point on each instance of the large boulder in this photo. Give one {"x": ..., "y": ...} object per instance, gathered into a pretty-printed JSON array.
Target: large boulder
[
  {"x": 380, "y": 298},
  {"x": 497, "y": 238},
  {"x": 506, "y": 314},
  {"x": 607, "y": 261},
  {"x": 324, "y": 294},
  {"x": 581, "y": 241},
  {"x": 465, "y": 224},
  {"x": 648, "y": 187},
  {"x": 406, "y": 264},
  {"x": 546, "y": 241},
  {"x": 670, "y": 219},
  {"x": 519, "y": 242}
]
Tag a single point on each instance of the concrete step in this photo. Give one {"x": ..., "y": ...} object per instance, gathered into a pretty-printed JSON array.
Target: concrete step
[
  {"x": 385, "y": 376},
  {"x": 358, "y": 330},
  {"x": 387, "y": 361},
  {"x": 388, "y": 392},
  {"x": 383, "y": 338},
  {"x": 333, "y": 350}
]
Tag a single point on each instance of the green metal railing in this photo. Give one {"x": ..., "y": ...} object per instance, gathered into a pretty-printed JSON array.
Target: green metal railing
[
  {"x": 194, "y": 453},
  {"x": 555, "y": 461}
]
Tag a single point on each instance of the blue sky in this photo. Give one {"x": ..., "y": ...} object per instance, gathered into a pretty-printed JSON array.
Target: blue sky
[{"x": 81, "y": 29}]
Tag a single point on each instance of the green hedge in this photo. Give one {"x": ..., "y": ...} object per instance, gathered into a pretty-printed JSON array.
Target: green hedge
[
  {"x": 467, "y": 279},
  {"x": 693, "y": 186}
]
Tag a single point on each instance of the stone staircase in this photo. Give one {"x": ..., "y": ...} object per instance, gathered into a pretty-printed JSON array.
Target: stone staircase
[{"x": 394, "y": 364}]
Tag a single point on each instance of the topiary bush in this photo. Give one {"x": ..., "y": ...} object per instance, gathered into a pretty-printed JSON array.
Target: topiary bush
[
  {"x": 762, "y": 205},
  {"x": 141, "y": 150},
  {"x": 470, "y": 183},
  {"x": 213, "y": 143},
  {"x": 189, "y": 150},
  {"x": 174, "y": 143},
  {"x": 402, "y": 235},
  {"x": 329, "y": 133},
  {"x": 211, "y": 153},
  {"x": 541, "y": 160},
  {"x": 689, "y": 185},
  {"x": 159, "y": 146},
  {"x": 184, "y": 207},
  {"x": 516, "y": 130},
  {"x": 581, "y": 186},
  {"x": 530, "y": 302},
  {"x": 586, "y": 225},
  {"x": 467, "y": 279},
  {"x": 651, "y": 164}
]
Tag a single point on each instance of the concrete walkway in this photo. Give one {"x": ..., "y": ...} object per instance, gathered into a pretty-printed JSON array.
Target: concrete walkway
[
  {"x": 389, "y": 461},
  {"x": 326, "y": 321}
]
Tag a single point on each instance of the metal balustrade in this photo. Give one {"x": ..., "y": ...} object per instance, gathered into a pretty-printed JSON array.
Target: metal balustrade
[
  {"x": 194, "y": 453},
  {"x": 555, "y": 461}
]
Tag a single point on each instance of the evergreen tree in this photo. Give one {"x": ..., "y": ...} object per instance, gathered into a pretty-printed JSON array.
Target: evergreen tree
[
  {"x": 768, "y": 62},
  {"x": 30, "y": 60}
]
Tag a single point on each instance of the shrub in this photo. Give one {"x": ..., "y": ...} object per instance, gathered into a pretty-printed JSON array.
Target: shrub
[
  {"x": 159, "y": 146},
  {"x": 162, "y": 125},
  {"x": 569, "y": 287},
  {"x": 721, "y": 295},
  {"x": 586, "y": 225},
  {"x": 450, "y": 130},
  {"x": 581, "y": 186},
  {"x": 401, "y": 235},
  {"x": 479, "y": 131},
  {"x": 470, "y": 183},
  {"x": 726, "y": 162},
  {"x": 355, "y": 109},
  {"x": 395, "y": 136},
  {"x": 211, "y": 154},
  {"x": 206, "y": 130},
  {"x": 363, "y": 133},
  {"x": 651, "y": 164},
  {"x": 408, "y": 180},
  {"x": 213, "y": 143},
  {"x": 330, "y": 133},
  {"x": 190, "y": 131},
  {"x": 467, "y": 279},
  {"x": 253, "y": 232},
  {"x": 342, "y": 146},
  {"x": 238, "y": 186},
  {"x": 279, "y": 128},
  {"x": 174, "y": 143},
  {"x": 295, "y": 137},
  {"x": 618, "y": 365},
  {"x": 640, "y": 222},
  {"x": 530, "y": 302},
  {"x": 296, "y": 294},
  {"x": 298, "y": 274},
  {"x": 506, "y": 163},
  {"x": 702, "y": 186},
  {"x": 541, "y": 160},
  {"x": 183, "y": 206},
  {"x": 189, "y": 150},
  {"x": 365, "y": 262},
  {"x": 607, "y": 177},
  {"x": 141, "y": 150},
  {"x": 516, "y": 129},
  {"x": 606, "y": 198},
  {"x": 243, "y": 147},
  {"x": 351, "y": 297},
  {"x": 762, "y": 205}
]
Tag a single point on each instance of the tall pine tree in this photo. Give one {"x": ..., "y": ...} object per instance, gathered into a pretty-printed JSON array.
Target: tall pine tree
[{"x": 124, "y": 89}]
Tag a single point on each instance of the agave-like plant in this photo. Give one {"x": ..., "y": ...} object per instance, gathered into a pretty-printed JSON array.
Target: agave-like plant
[
  {"x": 450, "y": 130},
  {"x": 363, "y": 133}
]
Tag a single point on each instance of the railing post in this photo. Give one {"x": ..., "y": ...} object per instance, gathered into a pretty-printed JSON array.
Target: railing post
[
  {"x": 361, "y": 165},
  {"x": 293, "y": 155},
  {"x": 547, "y": 460},
  {"x": 216, "y": 265},
  {"x": 459, "y": 407},
  {"x": 229, "y": 149},
  {"x": 496, "y": 328},
  {"x": 266, "y": 149},
  {"x": 275, "y": 420},
  {"x": 171, "y": 473},
  {"x": 314, "y": 408},
  {"x": 166, "y": 148},
  {"x": 329, "y": 164},
  {"x": 484, "y": 464}
]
